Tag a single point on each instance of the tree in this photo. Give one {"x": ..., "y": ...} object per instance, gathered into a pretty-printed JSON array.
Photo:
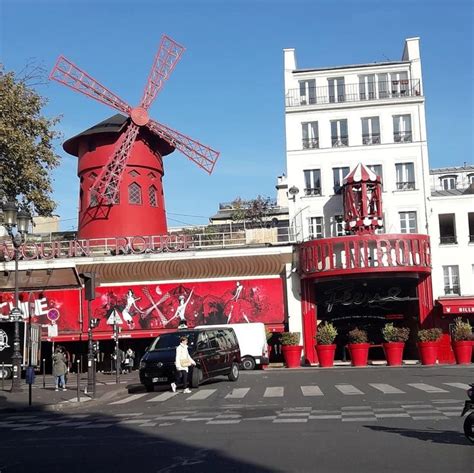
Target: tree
[
  {"x": 253, "y": 211},
  {"x": 27, "y": 157}
]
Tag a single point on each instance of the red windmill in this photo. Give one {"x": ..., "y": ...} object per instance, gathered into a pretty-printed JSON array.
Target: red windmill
[{"x": 120, "y": 159}]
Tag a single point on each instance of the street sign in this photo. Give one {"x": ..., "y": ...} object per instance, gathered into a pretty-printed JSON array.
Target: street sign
[
  {"x": 114, "y": 319},
  {"x": 16, "y": 313}
]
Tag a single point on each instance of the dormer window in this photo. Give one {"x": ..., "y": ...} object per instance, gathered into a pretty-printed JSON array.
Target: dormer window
[
  {"x": 448, "y": 182},
  {"x": 470, "y": 179}
]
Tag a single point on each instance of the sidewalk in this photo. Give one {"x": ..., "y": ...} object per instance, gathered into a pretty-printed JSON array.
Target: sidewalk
[{"x": 46, "y": 398}]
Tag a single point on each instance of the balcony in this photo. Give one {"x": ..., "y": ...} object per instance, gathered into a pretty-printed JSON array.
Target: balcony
[
  {"x": 339, "y": 141},
  {"x": 365, "y": 254},
  {"x": 312, "y": 191},
  {"x": 402, "y": 137},
  {"x": 448, "y": 240},
  {"x": 310, "y": 143},
  {"x": 453, "y": 290},
  {"x": 389, "y": 90},
  {"x": 406, "y": 186},
  {"x": 373, "y": 139}
]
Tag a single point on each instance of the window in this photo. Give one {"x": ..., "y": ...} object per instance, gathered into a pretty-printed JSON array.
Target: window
[
  {"x": 315, "y": 227},
  {"x": 312, "y": 182},
  {"x": 377, "y": 169},
  {"x": 405, "y": 176},
  {"x": 310, "y": 135},
  {"x": 152, "y": 196},
  {"x": 383, "y": 83},
  {"x": 399, "y": 84},
  {"x": 448, "y": 182},
  {"x": 470, "y": 179},
  {"x": 408, "y": 222},
  {"x": 134, "y": 173},
  {"x": 337, "y": 226},
  {"x": 339, "y": 135},
  {"x": 367, "y": 87},
  {"x": 470, "y": 219},
  {"x": 402, "y": 129},
  {"x": 338, "y": 175},
  {"x": 447, "y": 229},
  {"x": 336, "y": 90},
  {"x": 134, "y": 194},
  {"x": 451, "y": 280},
  {"x": 307, "y": 91},
  {"x": 370, "y": 131}
]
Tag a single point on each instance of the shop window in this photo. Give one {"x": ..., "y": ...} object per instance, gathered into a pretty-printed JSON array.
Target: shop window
[
  {"x": 451, "y": 280},
  {"x": 447, "y": 229},
  {"x": 134, "y": 194}
]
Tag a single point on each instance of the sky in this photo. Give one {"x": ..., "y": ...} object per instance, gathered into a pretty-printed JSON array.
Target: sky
[{"x": 227, "y": 90}]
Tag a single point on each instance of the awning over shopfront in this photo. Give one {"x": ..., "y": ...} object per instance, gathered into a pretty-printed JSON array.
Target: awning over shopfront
[
  {"x": 457, "y": 305},
  {"x": 40, "y": 279}
]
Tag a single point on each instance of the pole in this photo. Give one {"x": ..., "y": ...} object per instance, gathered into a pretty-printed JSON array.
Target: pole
[
  {"x": 78, "y": 365},
  {"x": 16, "y": 358},
  {"x": 90, "y": 355},
  {"x": 3, "y": 376},
  {"x": 44, "y": 373},
  {"x": 117, "y": 361}
]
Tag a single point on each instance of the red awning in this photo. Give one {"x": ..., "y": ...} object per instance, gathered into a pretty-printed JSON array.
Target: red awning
[{"x": 457, "y": 305}]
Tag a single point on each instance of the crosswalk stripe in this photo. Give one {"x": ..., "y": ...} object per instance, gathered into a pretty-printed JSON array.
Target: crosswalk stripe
[
  {"x": 237, "y": 393},
  {"x": 348, "y": 389},
  {"x": 201, "y": 394},
  {"x": 427, "y": 388},
  {"x": 134, "y": 397},
  {"x": 162, "y": 397},
  {"x": 458, "y": 385},
  {"x": 386, "y": 388},
  {"x": 311, "y": 391},
  {"x": 276, "y": 391}
]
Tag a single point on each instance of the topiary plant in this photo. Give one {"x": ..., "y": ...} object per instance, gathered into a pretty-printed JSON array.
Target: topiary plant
[
  {"x": 395, "y": 334},
  {"x": 429, "y": 335},
  {"x": 358, "y": 336},
  {"x": 462, "y": 331},
  {"x": 326, "y": 334},
  {"x": 290, "y": 338}
]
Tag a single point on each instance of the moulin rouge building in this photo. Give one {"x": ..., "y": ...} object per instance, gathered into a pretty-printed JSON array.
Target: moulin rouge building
[{"x": 356, "y": 252}]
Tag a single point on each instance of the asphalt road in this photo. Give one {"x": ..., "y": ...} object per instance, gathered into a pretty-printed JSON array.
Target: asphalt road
[{"x": 364, "y": 420}]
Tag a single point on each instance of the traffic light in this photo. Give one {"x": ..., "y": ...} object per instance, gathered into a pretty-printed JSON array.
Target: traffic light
[{"x": 89, "y": 285}]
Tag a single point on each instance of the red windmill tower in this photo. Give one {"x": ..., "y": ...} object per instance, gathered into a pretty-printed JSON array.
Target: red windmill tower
[
  {"x": 121, "y": 159},
  {"x": 362, "y": 197}
]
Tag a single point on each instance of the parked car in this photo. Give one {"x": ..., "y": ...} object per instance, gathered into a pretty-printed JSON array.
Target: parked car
[
  {"x": 216, "y": 352},
  {"x": 252, "y": 340}
]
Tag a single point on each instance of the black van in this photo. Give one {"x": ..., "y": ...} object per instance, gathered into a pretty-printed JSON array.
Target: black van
[{"x": 215, "y": 351}]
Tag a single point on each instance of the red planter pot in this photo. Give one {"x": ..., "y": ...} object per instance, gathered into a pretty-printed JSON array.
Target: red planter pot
[
  {"x": 428, "y": 352},
  {"x": 326, "y": 355},
  {"x": 359, "y": 353},
  {"x": 394, "y": 353},
  {"x": 292, "y": 355},
  {"x": 463, "y": 352}
]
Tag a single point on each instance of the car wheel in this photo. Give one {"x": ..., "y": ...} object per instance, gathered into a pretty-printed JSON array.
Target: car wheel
[
  {"x": 469, "y": 427},
  {"x": 248, "y": 363},
  {"x": 234, "y": 372},
  {"x": 5, "y": 373},
  {"x": 149, "y": 388},
  {"x": 196, "y": 377}
]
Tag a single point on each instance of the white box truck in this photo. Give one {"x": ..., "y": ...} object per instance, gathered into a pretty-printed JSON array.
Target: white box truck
[{"x": 252, "y": 342}]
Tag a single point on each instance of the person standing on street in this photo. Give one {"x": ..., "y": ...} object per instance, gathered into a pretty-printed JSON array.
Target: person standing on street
[
  {"x": 59, "y": 369},
  {"x": 182, "y": 362},
  {"x": 129, "y": 360}
]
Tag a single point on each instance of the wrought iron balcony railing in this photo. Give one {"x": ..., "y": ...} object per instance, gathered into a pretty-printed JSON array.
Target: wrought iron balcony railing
[
  {"x": 471, "y": 238},
  {"x": 353, "y": 93},
  {"x": 339, "y": 141},
  {"x": 406, "y": 186},
  {"x": 373, "y": 139},
  {"x": 312, "y": 191},
  {"x": 402, "y": 137},
  {"x": 453, "y": 290},
  {"x": 309, "y": 143},
  {"x": 448, "y": 240}
]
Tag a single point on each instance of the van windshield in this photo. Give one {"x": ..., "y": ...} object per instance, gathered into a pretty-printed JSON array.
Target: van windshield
[{"x": 171, "y": 340}]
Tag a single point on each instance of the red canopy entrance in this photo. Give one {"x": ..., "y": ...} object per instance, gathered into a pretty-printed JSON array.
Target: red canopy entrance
[{"x": 457, "y": 305}]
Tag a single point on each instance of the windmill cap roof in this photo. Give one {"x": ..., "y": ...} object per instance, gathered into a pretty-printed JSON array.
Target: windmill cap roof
[
  {"x": 361, "y": 173},
  {"x": 113, "y": 125}
]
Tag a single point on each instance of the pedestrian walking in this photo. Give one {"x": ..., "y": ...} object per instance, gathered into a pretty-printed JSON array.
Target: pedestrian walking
[
  {"x": 129, "y": 360},
  {"x": 182, "y": 362},
  {"x": 59, "y": 369}
]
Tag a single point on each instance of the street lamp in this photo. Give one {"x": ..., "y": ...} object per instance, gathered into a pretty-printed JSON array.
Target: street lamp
[{"x": 17, "y": 219}]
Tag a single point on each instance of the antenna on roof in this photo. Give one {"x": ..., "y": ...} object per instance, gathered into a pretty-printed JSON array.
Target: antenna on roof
[{"x": 388, "y": 59}]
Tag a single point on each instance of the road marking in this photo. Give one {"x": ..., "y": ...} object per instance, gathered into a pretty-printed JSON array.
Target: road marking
[
  {"x": 366, "y": 412},
  {"x": 386, "y": 388},
  {"x": 428, "y": 417},
  {"x": 348, "y": 389},
  {"x": 223, "y": 422},
  {"x": 359, "y": 419},
  {"x": 162, "y": 397},
  {"x": 129, "y": 414},
  {"x": 391, "y": 414},
  {"x": 329, "y": 416},
  {"x": 388, "y": 409},
  {"x": 311, "y": 391},
  {"x": 458, "y": 385},
  {"x": 95, "y": 426},
  {"x": 427, "y": 388},
  {"x": 276, "y": 391},
  {"x": 289, "y": 421},
  {"x": 238, "y": 393},
  {"x": 201, "y": 395},
  {"x": 195, "y": 419},
  {"x": 131, "y": 398},
  {"x": 354, "y": 408},
  {"x": 32, "y": 427}
]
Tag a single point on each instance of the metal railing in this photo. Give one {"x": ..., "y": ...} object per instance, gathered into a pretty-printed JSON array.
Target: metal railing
[
  {"x": 406, "y": 186},
  {"x": 353, "y": 93},
  {"x": 402, "y": 136},
  {"x": 339, "y": 142},
  {"x": 373, "y": 139},
  {"x": 312, "y": 191},
  {"x": 310, "y": 143},
  {"x": 453, "y": 290},
  {"x": 448, "y": 240}
]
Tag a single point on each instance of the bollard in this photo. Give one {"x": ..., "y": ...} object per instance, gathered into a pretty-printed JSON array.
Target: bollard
[
  {"x": 3, "y": 376},
  {"x": 78, "y": 380},
  {"x": 44, "y": 373}
]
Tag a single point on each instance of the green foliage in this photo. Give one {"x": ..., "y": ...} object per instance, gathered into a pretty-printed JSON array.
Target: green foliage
[
  {"x": 358, "y": 336},
  {"x": 462, "y": 331},
  {"x": 429, "y": 335},
  {"x": 269, "y": 334},
  {"x": 395, "y": 334},
  {"x": 290, "y": 338},
  {"x": 326, "y": 334},
  {"x": 252, "y": 211},
  {"x": 27, "y": 157}
]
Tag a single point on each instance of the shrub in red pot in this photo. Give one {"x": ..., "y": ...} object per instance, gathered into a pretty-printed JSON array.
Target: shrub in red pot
[
  {"x": 462, "y": 341},
  {"x": 395, "y": 338},
  {"x": 325, "y": 345},
  {"x": 428, "y": 345},
  {"x": 291, "y": 349},
  {"x": 358, "y": 347}
]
